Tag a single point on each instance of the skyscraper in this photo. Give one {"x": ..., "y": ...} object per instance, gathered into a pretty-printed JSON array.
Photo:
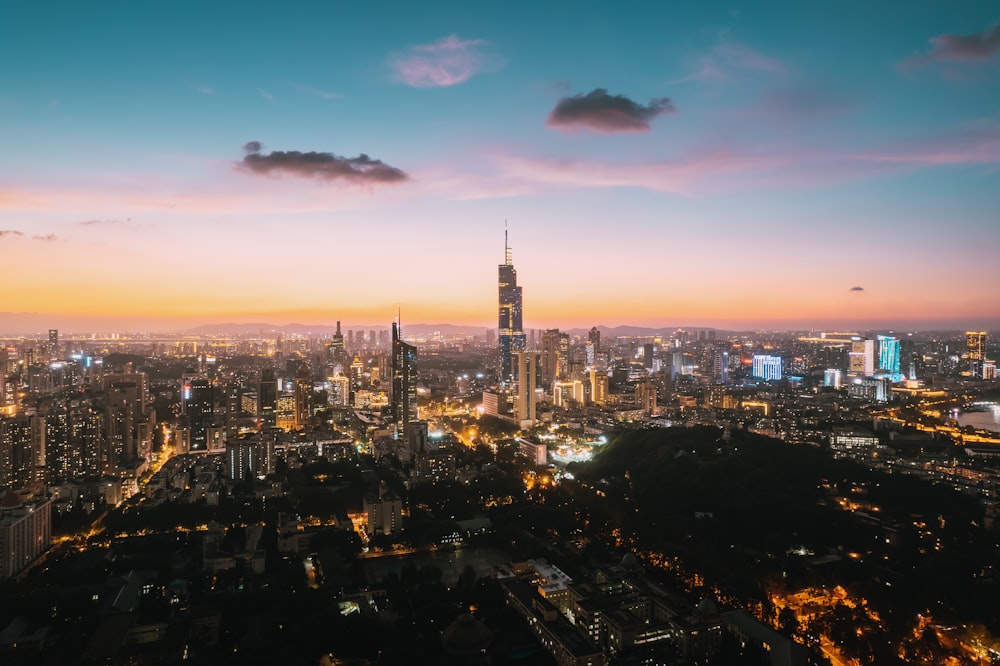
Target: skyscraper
[
  {"x": 53, "y": 346},
  {"x": 889, "y": 355},
  {"x": 303, "y": 395},
  {"x": 267, "y": 399},
  {"x": 555, "y": 348},
  {"x": 862, "y": 357},
  {"x": 527, "y": 373},
  {"x": 404, "y": 381},
  {"x": 511, "y": 333},
  {"x": 975, "y": 351}
]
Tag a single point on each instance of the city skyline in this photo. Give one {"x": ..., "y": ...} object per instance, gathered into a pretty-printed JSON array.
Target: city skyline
[{"x": 778, "y": 167}]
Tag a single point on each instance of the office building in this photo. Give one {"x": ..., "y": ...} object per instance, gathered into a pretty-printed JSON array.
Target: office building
[
  {"x": 767, "y": 367},
  {"x": 199, "y": 407},
  {"x": 889, "y": 355},
  {"x": 53, "y": 346},
  {"x": 403, "y": 395},
  {"x": 555, "y": 356},
  {"x": 25, "y": 532},
  {"x": 267, "y": 399},
  {"x": 303, "y": 396},
  {"x": 861, "y": 358},
  {"x": 526, "y": 379},
  {"x": 511, "y": 337},
  {"x": 975, "y": 351}
]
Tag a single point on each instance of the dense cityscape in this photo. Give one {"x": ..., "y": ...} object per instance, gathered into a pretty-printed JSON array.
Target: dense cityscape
[
  {"x": 504, "y": 496},
  {"x": 531, "y": 334}
]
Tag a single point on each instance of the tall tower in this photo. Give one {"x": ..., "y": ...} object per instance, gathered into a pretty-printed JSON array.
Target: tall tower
[
  {"x": 511, "y": 338},
  {"x": 404, "y": 381},
  {"x": 524, "y": 400}
]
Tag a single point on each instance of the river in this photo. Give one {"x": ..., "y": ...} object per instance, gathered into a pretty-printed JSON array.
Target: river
[{"x": 987, "y": 420}]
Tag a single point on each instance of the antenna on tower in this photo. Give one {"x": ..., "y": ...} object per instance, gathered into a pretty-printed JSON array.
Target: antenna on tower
[{"x": 506, "y": 247}]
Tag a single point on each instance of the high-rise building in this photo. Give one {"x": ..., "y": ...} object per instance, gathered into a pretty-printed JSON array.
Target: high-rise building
[
  {"x": 645, "y": 397},
  {"x": 337, "y": 349},
  {"x": 861, "y": 358},
  {"x": 766, "y": 367},
  {"x": 555, "y": 356},
  {"x": 303, "y": 395},
  {"x": 267, "y": 399},
  {"x": 125, "y": 409},
  {"x": 53, "y": 347},
  {"x": 404, "y": 382},
  {"x": 975, "y": 351},
  {"x": 889, "y": 355},
  {"x": 526, "y": 378},
  {"x": 511, "y": 332},
  {"x": 25, "y": 532},
  {"x": 199, "y": 407},
  {"x": 594, "y": 337}
]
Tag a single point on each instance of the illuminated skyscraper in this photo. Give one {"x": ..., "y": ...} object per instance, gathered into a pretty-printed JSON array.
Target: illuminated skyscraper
[
  {"x": 303, "y": 395},
  {"x": 511, "y": 332},
  {"x": 53, "y": 347},
  {"x": 404, "y": 382},
  {"x": 199, "y": 406},
  {"x": 267, "y": 399},
  {"x": 555, "y": 349},
  {"x": 975, "y": 351},
  {"x": 888, "y": 354}
]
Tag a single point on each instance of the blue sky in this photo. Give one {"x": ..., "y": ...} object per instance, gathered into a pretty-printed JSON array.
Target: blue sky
[{"x": 659, "y": 163}]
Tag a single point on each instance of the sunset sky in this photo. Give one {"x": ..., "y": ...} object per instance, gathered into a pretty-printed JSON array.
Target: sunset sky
[{"x": 738, "y": 165}]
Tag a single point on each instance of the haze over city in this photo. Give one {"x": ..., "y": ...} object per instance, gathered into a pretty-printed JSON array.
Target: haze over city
[{"x": 772, "y": 166}]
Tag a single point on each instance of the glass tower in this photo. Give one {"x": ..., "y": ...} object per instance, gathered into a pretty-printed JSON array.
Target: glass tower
[{"x": 511, "y": 338}]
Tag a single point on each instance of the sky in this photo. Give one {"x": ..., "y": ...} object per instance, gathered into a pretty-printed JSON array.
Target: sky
[{"x": 737, "y": 165}]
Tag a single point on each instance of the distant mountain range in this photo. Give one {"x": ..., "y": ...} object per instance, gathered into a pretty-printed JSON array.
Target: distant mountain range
[{"x": 414, "y": 330}]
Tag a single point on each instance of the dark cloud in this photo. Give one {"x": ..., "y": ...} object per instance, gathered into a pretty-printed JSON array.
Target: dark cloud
[
  {"x": 601, "y": 112},
  {"x": 977, "y": 46},
  {"x": 327, "y": 166},
  {"x": 11, "y": 232},
  {"x": 45, "y": 237},
  {"x": 857, "y": 289}
]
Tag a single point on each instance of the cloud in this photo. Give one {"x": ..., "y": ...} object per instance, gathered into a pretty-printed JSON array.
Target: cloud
[
  {"x": 447, "y": 62},
  {"x": 14, "y": 233},
  {"x": 325, "y": 166},
  {"x": 95, "y": 223},
  {"x": 319, "y": 93},
  {"x": 856, "y": 289},
  {"x": 601, "y": 112},
  {"x": 266, "y": 95},
  {"x": 206, "y": 90},
  {"x": 977, "y": 46},
  {"x": 720, "y": 62}
]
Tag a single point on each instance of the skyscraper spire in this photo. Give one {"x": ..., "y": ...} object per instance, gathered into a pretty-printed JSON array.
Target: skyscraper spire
[{"x": 508, "y": 259}]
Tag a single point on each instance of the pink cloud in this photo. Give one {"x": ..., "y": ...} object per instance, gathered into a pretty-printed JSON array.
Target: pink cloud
[
  {"x": 447, "y": 62},
  {"x": 734, "y": 168}
]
